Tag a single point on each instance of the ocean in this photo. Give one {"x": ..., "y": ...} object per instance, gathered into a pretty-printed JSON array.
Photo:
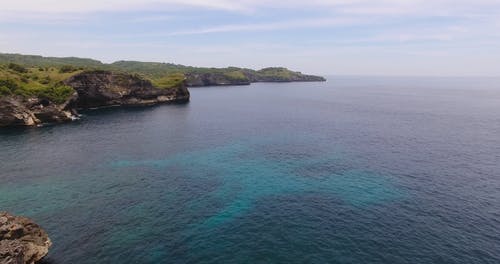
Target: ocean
[{"x": 352, "y": 170}]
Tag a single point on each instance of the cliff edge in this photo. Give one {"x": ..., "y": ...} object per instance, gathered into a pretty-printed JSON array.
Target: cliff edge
[
  {"x": 106, "y": 88},
  {"x": 21, "y": 240}
]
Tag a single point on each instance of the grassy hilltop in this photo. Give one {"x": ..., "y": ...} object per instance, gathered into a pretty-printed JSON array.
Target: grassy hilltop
[{"x": 44, "y": 82}]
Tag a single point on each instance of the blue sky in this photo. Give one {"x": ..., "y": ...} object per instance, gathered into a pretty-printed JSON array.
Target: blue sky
[{"x": 360, "y": 37}]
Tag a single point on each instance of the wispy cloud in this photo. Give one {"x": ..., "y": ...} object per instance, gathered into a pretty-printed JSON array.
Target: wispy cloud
[{"x": 272, "y": 26}]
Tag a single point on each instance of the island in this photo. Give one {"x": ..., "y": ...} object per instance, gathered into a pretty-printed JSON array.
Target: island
[{"x": 35, "y": 90}]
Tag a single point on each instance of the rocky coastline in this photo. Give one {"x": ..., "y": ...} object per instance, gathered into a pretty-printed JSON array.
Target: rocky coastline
[
  {"x": 36, "y": 90},
  {"x": 93, "y": 89},
  {"x": 105, "y": 88},
  {"x": 21, "y": 240},
  {"x": 248, "y": 77}
]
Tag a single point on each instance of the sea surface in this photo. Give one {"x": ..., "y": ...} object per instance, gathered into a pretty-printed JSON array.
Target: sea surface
[{"x": 353, "y": 170}]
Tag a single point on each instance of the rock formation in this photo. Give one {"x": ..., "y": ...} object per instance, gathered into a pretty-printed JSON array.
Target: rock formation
[
  {"x": 248, "y": 76},
  {"x": 105, "y": 88},
  {"x": 21, "y": 240},
  {"x": 213, "y": 79},
  {"x": 92, "y": 89},
  {"x": 19, "y": 111}
]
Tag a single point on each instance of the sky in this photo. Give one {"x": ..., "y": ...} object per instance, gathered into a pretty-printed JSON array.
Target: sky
[{"x": 344, "y": 37}]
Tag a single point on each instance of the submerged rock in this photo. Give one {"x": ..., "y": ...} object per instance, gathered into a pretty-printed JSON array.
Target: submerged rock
[{"x": 21, "y": 240}]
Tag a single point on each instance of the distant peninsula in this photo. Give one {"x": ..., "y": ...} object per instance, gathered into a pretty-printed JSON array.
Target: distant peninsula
[{"x": 35, "y": 90}]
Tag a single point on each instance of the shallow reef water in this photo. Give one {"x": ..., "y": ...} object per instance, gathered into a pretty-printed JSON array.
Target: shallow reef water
[{"x": 353, "y": 170}]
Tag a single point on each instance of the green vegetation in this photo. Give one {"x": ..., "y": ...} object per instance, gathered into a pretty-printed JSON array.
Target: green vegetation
[
  {"x": 34, "y": 82},
  {"x": 39, "y": 61},
  {"x": 279, "y": 74},
  {"x": 169, "y": 81},
  {"x": 68, "y": 68},
  {"x": 28, "y": 75},
  {"x": 154, "y": 71},
  {"x": 236, "y": 75},
  {"x": 17, "y": 68}
]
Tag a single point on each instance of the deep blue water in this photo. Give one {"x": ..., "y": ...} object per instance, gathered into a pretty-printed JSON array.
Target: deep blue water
[{"x": 354, "y": 170}]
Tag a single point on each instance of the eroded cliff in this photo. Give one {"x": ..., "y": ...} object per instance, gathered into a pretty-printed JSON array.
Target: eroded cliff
[
  {"x": 92, "y": 89},
  {"x": 106, "y": 88}
]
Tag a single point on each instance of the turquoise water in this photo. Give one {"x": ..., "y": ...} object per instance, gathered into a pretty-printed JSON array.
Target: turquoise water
[{"x": 355, "y": 170}]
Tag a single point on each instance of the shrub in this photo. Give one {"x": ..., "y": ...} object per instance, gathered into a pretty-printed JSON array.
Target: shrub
[
  {"x": 169, "y": 81},
  {"x": 57, "y": 93},
  {"x": 17, "y": 68},
  {"x": 67, "y": 68},
  {"x": 45, "y": 80},
  {"x": 9, "y": 84},
  {"x": 5, "y": 91}
]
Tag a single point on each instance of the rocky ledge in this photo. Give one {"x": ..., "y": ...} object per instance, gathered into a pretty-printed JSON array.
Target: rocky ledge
[
  {"x": 19, "y": 111},
  {"x": 93, "y": 89},
  {"x": 21, "y": 240},
  {"x": 105, "y": 88}
]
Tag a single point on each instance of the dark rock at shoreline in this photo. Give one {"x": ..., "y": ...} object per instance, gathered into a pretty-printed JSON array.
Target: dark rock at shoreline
[
  {"x": 21, "y": 240},
  {"x": 105, "y": 88},
  {"x": 18, "y": 111}
]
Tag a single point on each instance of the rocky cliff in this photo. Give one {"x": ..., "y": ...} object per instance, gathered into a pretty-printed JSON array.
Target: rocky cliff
[
  {"x": 280, "y": 74},
  {"x": 105, "y": 88},
  {"x": 213, "y": 79},
  {"x": 92, "y": 89},
  {"x": 238, "y": 76},
  {"x": 33, "y": 111},
  {"x": 21, "y": 240}
]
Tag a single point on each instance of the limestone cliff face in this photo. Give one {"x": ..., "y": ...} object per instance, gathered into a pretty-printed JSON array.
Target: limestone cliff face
[
  {"x": 104, "y": 88},
  {"x": 21, "y": 240},
  {"x": 18, "y": 111}
]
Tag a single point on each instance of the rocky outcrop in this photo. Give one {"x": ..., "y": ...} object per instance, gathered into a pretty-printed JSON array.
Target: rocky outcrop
[
  {"x": 213, "y": 79},
  {"x": 247, "y": 76},
  {"x": 292, "y": 78},
  {"x": 280, "y": 74},
  {"x": 105, "y": 88},
  {"x": 21, "y": 240},
  {"x": 19, "y": 111},
  {"x": 92, "y": 89}
]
